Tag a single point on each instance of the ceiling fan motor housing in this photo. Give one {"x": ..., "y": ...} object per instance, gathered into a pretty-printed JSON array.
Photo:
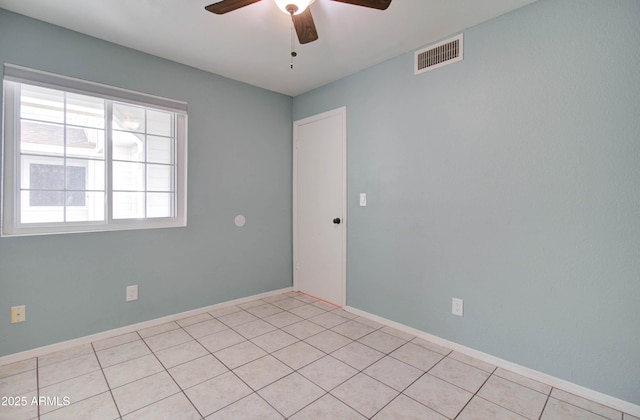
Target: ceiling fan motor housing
[{"x": 291, "y": 8}]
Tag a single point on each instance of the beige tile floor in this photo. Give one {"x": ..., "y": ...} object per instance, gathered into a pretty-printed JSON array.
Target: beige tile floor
[{"x": 285, "y": 356}]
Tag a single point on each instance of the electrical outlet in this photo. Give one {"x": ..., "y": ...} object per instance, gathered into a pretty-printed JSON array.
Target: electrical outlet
[
  {"x": 457, "y": 306},
  {"x": 363, "y": 199},
  {"x": 132, "y": 292},
  {"x": 18, "y": 313}
]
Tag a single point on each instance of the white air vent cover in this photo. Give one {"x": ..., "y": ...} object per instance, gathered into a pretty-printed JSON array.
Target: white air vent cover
[{"x": 438, "y": 55}]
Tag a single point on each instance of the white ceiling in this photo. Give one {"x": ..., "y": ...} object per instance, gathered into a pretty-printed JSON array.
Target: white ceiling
[{"x": 253, "y": 44}]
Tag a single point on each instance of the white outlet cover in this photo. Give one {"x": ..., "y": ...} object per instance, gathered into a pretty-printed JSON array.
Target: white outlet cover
[
  {"x": 457, "y": 306},
  {"x": 18, "y": 314},
  {"x": 363, "y": 199},
  {"x": 132, "y": 293}
]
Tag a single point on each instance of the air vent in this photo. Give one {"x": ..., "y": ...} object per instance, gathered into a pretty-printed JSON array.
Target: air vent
[{"x": 438, "y": 55}]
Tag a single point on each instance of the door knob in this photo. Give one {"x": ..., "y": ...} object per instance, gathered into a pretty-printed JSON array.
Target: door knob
[{"x": 336, "y": 220}]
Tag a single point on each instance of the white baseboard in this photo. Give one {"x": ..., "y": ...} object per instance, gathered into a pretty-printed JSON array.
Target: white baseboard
[
  {"x": 41, "y": 351},
  {"x": 604, "y": 399}
]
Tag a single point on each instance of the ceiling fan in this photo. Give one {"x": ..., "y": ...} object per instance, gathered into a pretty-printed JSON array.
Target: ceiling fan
[{"x": 299, "y": 11}]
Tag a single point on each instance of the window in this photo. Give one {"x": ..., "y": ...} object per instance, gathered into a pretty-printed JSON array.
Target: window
[{"x": 80, "y": 156}]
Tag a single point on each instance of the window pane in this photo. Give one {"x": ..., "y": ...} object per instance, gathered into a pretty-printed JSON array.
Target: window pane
[
  {"x": 85, "y": 111},
  {"x": 159, "y": 178},
  {"x": 93, "y": 175},
  {"x": 43, "y": 176},
  {"x": 41, "y": 104},
  {"x": 128, "y": 176},
  {"x": 41, "y": 138},
  {"x": 159, "y": 123},
  {"x": 159, "y": 205},
  {"x": 128, "y": 118},
  {"x": 127, "y": 146},
  {"x": 91, "y": 210},
  {"x": 85, "y": 142},
  {"x": 159, "y": 149},
  {"x": 32, "y": 212},
  {"x": 39, "y": 198},
  {"x": 76, "y": 178},
  {"x": 75, "y": 199},
  {"x": 128, "y": 205}
]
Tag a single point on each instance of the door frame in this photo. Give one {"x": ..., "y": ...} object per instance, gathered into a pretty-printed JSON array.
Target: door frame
[{"x": 342, "y": 112}]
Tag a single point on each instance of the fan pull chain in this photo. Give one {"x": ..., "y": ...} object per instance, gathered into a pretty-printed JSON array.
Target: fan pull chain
[{"x": 293, "y": 45}]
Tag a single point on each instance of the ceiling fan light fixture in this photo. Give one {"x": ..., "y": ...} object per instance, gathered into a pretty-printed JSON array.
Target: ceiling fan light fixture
[{"x": 293, "y": 7}]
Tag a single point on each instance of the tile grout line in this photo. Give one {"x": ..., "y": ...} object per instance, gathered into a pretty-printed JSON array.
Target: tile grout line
[
  {"x": 253, "y": 391},
  {"x": 406, "y": 387},
  {"x": 522, "y": 385},
  {"x": 388, "y": 354},
  {"x": 38, "y": 384},
  {"x": 271, "y": 354},
  {"x": 517, "y": 384},
  {"x": 227, "y": 367},
  {"x": 106, "y": 381},
  {"x": 304, "y": 341},
  {"x": 324, "y": 392},
  {"x": 182, "y": 391},
  {"x": 298, "y": 341},
  {"x": 424, "y": 374},
  {"x": 174, "y": 380},
  {"x": 584, "y": 408},
  {"x": 147, "y": 376},
  {"x": 444, "y": 380},
  {"x": 362, "y": 371},
  {"x": 408, "y": 364},
  {"x": 64, "y": 380},
  {"x": 476, "y": 393},
  {"x": 544, "y": 407},
  {"x": 493, "y": 373}
]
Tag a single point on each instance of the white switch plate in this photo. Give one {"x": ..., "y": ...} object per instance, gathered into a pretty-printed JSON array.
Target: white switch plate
[
  {"x": 363, "y": 199},
  {"x": 457, "y": 306},
  {"x": 132, "y": 293},
  {"x": 18, "y": 314}
]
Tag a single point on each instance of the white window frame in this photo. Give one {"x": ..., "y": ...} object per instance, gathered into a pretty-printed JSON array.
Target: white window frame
[{"x": 10, "y": 186}]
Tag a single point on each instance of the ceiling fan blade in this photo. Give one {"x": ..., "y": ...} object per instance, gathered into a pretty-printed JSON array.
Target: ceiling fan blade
[
  {"x": 226, "y": 6},
  {"x": 373, "y": 4},
  {"x": 305, "y": 28}
]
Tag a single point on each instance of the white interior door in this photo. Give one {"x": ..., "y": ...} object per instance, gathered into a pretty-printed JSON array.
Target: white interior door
[{"x": 319, "y": 206}]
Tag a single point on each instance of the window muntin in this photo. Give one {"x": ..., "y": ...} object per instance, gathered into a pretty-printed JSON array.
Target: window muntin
[{"x": 78, "y": 162}]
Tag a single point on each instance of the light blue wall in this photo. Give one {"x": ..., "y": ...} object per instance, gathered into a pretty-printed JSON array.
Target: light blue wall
[
  {"x": 510, "y": 180},
  {"x": 239, "y": 162}
]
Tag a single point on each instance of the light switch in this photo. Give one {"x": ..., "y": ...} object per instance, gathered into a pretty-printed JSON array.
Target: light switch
[{"x": 363, "y": 199}]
